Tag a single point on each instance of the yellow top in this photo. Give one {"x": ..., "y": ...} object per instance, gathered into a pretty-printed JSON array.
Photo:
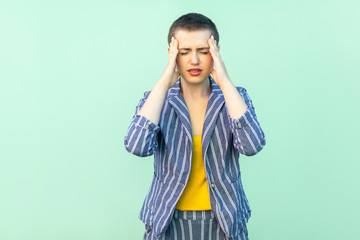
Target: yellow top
[{"x": 196, "y": 193}]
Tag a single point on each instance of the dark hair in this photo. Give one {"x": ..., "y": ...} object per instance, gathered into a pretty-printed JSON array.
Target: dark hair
[{"x": 192, "y": 22}]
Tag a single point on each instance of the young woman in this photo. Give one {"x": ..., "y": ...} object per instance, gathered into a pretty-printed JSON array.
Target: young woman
[{"x": 196, "y": 123}]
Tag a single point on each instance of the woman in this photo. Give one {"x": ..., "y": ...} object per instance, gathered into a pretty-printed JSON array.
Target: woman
[{"x": 195, "y": 124}]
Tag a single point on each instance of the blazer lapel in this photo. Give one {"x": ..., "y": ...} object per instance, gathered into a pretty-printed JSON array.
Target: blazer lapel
[
  {"x": 178, "y": 103},
  {"x": 215, "y": 103}
]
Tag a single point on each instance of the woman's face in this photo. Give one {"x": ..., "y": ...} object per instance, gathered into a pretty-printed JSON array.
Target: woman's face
[{"x": 194, "y": 53}]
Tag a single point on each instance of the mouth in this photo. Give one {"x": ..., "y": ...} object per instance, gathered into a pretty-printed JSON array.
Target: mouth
[{"x": 194, "y": 71}]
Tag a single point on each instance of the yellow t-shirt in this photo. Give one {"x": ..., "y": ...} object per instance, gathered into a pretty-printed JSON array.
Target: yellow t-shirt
[{"x": 196, "y": 193}]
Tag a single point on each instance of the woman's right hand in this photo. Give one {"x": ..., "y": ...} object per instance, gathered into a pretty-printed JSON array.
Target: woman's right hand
[
  {"x": 171, "y": 75},
  {"x": 154, "y": 102}
]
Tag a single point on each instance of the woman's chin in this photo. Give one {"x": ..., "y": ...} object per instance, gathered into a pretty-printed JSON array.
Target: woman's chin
[{"x": 195, "y": 79}]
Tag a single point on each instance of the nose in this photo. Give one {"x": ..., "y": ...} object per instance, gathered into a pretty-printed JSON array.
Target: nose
[{"x": 194, "y": 58}]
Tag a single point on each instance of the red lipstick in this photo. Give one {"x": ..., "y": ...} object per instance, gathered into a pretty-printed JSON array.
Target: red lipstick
[{"x": 194, "y": 71}]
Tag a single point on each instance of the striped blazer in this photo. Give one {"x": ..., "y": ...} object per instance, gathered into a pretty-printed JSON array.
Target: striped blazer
[{"x": 223, "y": 138}]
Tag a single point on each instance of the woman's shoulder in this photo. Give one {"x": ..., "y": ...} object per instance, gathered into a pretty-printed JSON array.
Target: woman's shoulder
[{"x": 146, "y": 94}]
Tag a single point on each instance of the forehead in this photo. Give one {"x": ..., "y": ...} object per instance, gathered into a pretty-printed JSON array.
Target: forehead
[{"x": 197, "y": 38}]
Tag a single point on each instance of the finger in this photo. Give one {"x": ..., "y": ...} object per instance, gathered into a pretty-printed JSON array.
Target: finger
[
  {"x": 212, "y": 43},
  {"x": 210, "y": 40},
  {"x": 173, "y": 44},
  {"x": 213, "y": 39},
  {"x": 212, "y": 46},
  {"x": 176, "y": 43}
]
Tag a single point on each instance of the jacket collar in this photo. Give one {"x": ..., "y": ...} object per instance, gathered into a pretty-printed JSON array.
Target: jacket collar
[{"x": 215, "y": 103}]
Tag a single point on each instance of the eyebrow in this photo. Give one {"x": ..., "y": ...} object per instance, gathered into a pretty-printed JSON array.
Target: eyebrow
[{"x": 197, "y": 48}]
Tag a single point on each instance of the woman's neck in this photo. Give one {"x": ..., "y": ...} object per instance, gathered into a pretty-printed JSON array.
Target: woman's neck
[{"x": 195, "y": 91}]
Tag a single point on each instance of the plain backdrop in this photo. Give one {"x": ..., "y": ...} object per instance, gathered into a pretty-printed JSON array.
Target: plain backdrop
[{"x": 72, "y": 73}]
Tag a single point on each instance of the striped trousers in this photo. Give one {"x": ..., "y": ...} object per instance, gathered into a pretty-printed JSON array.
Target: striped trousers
[{"x": 193, "y": 225}]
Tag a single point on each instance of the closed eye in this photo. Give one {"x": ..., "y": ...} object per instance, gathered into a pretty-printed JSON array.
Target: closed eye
[{"x": 201, "y": 52}]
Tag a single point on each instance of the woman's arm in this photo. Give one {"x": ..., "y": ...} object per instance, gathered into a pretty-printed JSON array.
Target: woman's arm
[
  {"x": 141, "y": 138},
  {"x": 248, "y": 137}
]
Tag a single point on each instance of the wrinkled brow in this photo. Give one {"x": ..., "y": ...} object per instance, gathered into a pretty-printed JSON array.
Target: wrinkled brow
[{"x": 202, "y": 48}]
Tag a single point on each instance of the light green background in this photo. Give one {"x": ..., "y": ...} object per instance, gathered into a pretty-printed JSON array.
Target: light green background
[{"x": 72, "y": 73}]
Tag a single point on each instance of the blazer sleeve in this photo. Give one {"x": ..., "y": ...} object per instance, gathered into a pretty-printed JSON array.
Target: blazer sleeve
[
  {"x": 248, "y": 137},
  {"x": 141, "y": 138}
]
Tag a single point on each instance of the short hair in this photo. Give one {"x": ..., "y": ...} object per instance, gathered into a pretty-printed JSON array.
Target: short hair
[{"x": 193, "y": 22}]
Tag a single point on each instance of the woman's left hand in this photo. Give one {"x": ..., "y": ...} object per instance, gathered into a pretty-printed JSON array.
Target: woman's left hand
[{"x": 219, "y": 74}]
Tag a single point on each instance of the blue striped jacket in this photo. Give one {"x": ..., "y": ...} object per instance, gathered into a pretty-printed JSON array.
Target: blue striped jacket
[{"x": 223, "y": 138}]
